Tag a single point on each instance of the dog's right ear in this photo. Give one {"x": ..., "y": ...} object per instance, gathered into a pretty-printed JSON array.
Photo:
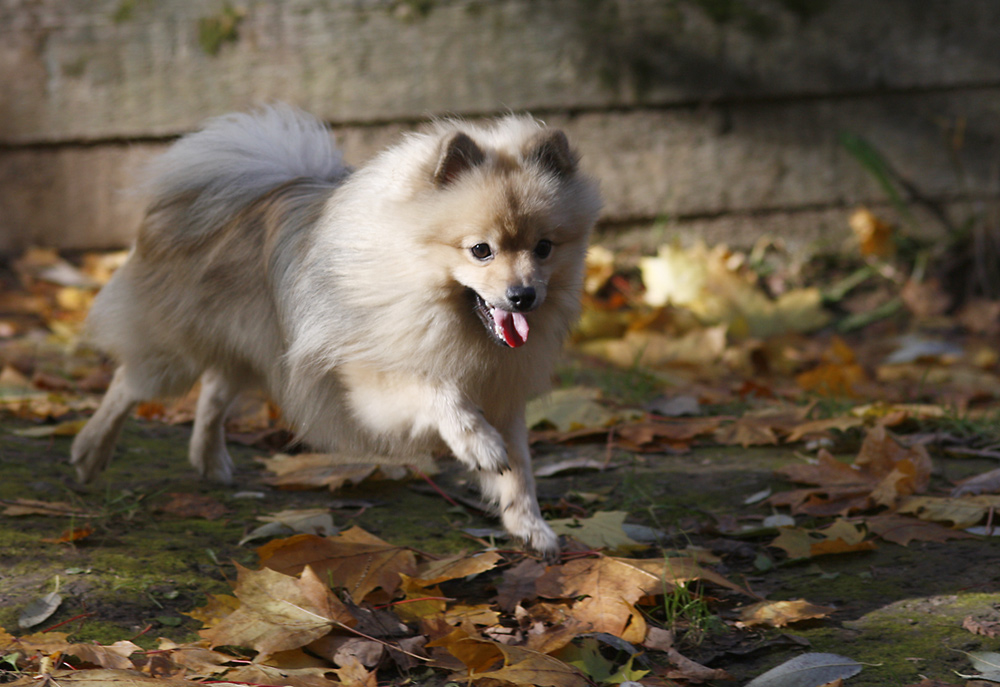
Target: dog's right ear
[{"x": 458, "y": 154}]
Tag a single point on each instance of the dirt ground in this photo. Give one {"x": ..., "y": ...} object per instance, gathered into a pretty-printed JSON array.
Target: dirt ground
[{"x": 899, "y": 610}]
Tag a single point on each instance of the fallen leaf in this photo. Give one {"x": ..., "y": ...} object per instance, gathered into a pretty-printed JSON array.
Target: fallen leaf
[
  {"x": 686, "y": 669},
  {"x": 316, "y": 521},
  {"x": 15, "y": 507},
  {"x": 486, "y": 658},
  {"x": 873, "y": 234},
  {"x": 961, "y": 512},
  {"x": 901, "y": 529},
  {"x": 315, "y": 470},
  {"x": 518, "y": 584},
  {"x": 781, "y": 613},
  {"x": 185, "y": 505},
  {"x": 39, "y": 610},
  {"x": 457, "y": 566},
  {"x": 353, "y": 560},
  {"x": 841, "y": 537},
  {"x": 569, "y": 409},
  {"x": 808, "y": 669},
  {"x": 63, "y": 429},
  {"x": 603, "y": 530},
  {"x": 71, "y": 535},
  {"x": 278, "y": 612},
  {"x": 986, "y": 628},
  {"x": 115, "y": 656}
]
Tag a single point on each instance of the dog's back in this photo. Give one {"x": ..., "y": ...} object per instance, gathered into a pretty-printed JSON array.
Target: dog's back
[{"x": 226, "y": 207}]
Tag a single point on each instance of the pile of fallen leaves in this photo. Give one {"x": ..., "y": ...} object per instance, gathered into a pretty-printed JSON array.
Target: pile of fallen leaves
[
  {"x": 343, "y": 607},
  {"x": 716, "y": 348}
]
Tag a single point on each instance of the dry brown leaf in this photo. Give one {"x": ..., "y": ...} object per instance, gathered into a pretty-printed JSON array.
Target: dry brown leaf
[
  {"x": 105, "y": 676},
  {"x": 686, "y": 669},
  {"x": 279, "y": 612},
  {"x": 456, "y": 566},
  {"x": 193, "y": 506},
  {"x": 762, "y": 426},
  {"x": 518, "y": 584},
  {"x": 874, "y": 235},
  {"x": 115, "y": 656},
  {"x": 901, "y": 529},
  {"x": 353, "y": 673},
  {"x": 354, "y": 560},
  {"x": 71, "y": 535},
  {"x": 262, "y": 674},
  {"x": 841, "y": 537},
  {"x": 781, "y": 613},
  {"x": 611, "y": 587},
  {"x": 814, "y": 429},
  {"x": 883, "y": 472},
  {"x": 986, "y": 628},
  {"x": 485, "y": 658},
  {"x": 16, "y": 507},
  {"x": 218, "y": 607},
  {"x": 961, "y": 512}
]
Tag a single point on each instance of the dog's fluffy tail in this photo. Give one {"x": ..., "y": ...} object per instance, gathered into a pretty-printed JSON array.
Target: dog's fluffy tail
[{"x": 236, "y": 158}]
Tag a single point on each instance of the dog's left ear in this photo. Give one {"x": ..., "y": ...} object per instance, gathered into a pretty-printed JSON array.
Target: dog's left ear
[
  {"x": 459, "y": 153},
  {"x": 551, "y": 150}
]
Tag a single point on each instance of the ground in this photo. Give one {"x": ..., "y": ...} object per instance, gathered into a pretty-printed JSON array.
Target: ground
[
  {"x": 772, "y": 446},
  {"x": 899, "y": 610}
]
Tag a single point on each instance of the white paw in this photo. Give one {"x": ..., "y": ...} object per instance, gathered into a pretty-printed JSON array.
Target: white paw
[
  {"x": 483, "y": 450},
  {"x": 531, "y": 529},
  {"x": 90, "y": 455},
  {"x": 215, "y": 465}
]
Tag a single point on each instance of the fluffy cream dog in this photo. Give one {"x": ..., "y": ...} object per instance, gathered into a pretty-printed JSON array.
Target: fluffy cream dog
[{"x": 409, "y": 306}]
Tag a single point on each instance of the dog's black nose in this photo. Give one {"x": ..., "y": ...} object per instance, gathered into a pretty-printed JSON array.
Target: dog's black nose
[{"x": 521, "y": 297}]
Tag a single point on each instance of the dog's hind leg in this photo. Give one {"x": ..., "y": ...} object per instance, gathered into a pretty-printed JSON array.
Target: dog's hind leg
[
  {"x": 513, "y": 491},
  {"x": 93, "y": 446},
  {"x": 208, "y": 440}
]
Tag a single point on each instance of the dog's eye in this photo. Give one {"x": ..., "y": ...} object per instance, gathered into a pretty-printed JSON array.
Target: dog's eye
[
  {"x": 543, "y": 248},
  {"x": 481, "y": 251}
]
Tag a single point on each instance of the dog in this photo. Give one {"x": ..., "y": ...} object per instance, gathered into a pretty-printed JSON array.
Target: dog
[{"x": 411, "y": 305}]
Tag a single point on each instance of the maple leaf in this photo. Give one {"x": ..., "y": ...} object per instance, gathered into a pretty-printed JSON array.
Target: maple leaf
[
  {"x": 762, "y": 426},
  {"x": 901, "y": 529},
  {"x": 611, "y": 587},
  {"x": 601, "y": 531},
  {"x": 354, "y": 560},
  {"x": 485, "y": 658},
  {"x": 883, "y": 472},
  {"x": 193, "y": 506},
  {"x": 115, "y": 656},
  {"x": 279, "y": 612},
  {"x": 518, "y": 584},
  {"x": 841, "y": 537},
  {"x": 454, "y": 567},
  {"x": 961, "y": 512},
  {"x": 781, "y": 613}
]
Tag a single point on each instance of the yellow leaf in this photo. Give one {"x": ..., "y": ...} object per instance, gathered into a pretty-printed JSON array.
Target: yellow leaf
[
  {"x": 279, "y": 612},
  {"x": 781, "y": 613}
]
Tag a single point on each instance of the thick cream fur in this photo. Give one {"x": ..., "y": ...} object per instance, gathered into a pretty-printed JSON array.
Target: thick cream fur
[{"x": 347, "y": 295}]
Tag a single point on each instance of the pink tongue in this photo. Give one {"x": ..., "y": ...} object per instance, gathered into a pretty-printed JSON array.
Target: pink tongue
[{"x": 513, "y": 327}]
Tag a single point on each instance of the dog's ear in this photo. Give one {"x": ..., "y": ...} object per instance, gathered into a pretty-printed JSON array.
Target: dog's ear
[
  {"x": 551, "y": 150},
  {"x": 458, "y": 154}
]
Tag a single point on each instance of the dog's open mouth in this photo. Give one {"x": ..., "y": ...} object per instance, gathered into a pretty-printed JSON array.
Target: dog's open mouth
[{"x": 507, "y": 328}]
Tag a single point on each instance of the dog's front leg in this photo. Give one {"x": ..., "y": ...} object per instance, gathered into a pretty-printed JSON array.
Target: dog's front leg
[
  {"x": 514, "y": 493},
  {"x": 462, "y": 426}
]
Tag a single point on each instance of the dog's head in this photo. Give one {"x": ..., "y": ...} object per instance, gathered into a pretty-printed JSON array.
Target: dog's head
[{"x": 519, "y": 218}]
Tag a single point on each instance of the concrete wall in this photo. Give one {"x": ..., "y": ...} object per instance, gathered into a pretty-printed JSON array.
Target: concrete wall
[{"x": 718, "y": 118}]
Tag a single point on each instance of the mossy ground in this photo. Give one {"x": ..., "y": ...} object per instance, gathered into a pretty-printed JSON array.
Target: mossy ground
[{"x": 899, "y": 609}]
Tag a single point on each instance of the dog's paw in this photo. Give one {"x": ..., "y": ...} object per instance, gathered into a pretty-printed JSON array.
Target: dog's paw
[
  {"x": 215, "y": 465},
  {"x": 534, "y": 532},
  {"x": 89, "y": 455},
  {"x": 482, "y": 449}
]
